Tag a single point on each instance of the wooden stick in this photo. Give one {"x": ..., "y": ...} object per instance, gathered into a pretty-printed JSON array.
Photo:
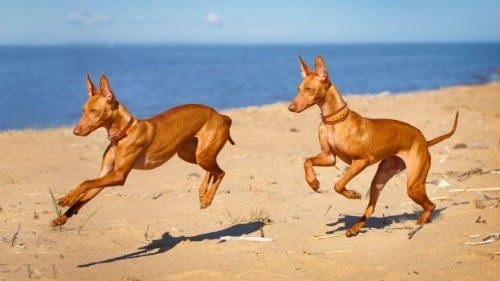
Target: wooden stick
[
  {"x": 321, "y": 237},
  {"x": 329, "y": 252},
  {"x": 339, "y": 251},
  {"x": 475, "y": 189},
  {"x": 479, "y": 243},
  {"x": 247, "y": 238}
]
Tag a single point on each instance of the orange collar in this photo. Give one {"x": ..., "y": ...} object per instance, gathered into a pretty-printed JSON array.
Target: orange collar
[
  {"x": 337, "y": 116},
  {"x": 121, "y": 134}
]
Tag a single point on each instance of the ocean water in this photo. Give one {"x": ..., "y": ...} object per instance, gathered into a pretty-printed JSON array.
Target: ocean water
[{"x": 44, "y": 87}]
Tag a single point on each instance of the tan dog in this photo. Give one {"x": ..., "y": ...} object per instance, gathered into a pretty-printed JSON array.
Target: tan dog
[
  {"x": 195, "y": 132},
  {"x": 361, "y": 142}
]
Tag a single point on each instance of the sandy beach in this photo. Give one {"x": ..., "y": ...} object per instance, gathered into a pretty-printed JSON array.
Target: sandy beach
[{"x": 152, "y": 228}]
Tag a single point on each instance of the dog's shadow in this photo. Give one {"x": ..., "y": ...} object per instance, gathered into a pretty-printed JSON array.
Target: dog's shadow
[
  {"x": 167, "y": 242},
  {"x": 347, "y": 221}
]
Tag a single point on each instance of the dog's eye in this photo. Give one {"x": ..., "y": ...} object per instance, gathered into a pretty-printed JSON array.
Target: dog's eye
[
  {"x": 308, "y": 89},
  {"x": 93, "y": 111}
]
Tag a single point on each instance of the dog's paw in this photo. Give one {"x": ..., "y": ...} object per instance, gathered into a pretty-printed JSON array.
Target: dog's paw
[
  {"x": 59, "y": 221},
  {"x": 314, "y": 184},
  {"x": 66, "y": 201},
  {"x": 205, "y": 202},
  {"x": 351, "y": 194},
  {"x": 351, "y": 232}
]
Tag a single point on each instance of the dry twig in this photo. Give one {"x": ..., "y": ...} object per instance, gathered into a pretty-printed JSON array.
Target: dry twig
[
  {"x": 486, "y": 240},
  {"x": 14, "y": 237}
]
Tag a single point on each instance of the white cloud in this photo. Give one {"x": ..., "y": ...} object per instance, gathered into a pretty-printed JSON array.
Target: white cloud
[
  {"x": 86, "y": 18},
  {"x": 213, "y": 19}
]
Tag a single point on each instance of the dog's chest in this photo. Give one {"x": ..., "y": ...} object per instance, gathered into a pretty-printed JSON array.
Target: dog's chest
[{"x": 340, "y": 145}]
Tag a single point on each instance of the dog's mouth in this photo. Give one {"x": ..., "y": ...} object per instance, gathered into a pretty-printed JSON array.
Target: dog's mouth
[
  {"x": 83, "y": 130},
  {"x": 294, "y": 107}
]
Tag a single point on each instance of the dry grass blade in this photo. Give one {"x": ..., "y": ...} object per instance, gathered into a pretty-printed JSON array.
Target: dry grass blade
[
  {"x": 14, "y": 237},
  {"x": 260, "y": 216},
  {"x": 54, "y": 202},
  {"x": 87, "y": 219},
  {"x": 327, "y": 210},
  {"x": 146, "y": 233}
]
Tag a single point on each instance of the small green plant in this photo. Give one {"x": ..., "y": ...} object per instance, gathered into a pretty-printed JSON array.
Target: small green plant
[
  {"x": 56, "y": 208},
  {"x": 54, "y": 202}
]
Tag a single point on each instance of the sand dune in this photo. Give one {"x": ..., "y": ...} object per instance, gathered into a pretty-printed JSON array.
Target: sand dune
[{"x": 152, "y": 228}]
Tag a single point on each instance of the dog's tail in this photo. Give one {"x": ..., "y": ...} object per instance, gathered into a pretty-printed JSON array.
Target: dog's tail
[
  {"x": 228, "y": 121},
  {"x": 445, "y": 136}
]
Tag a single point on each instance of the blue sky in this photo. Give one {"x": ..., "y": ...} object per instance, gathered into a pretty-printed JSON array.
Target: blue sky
[{"x": 242, "y": 22}]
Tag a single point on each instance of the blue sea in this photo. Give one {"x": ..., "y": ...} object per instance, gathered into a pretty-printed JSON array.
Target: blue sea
[{"x": 43, "y": 87}]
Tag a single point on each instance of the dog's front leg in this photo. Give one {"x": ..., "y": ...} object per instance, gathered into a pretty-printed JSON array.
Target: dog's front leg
[
  {"x": 111, "y": 179},
  {"x": 124, "y": 161},
  {"x": 325, "y": 158},
  {"x": 322, "y": 159},
  {"x": 356, "y": 167},
  {"x": 108, "y": 163}
]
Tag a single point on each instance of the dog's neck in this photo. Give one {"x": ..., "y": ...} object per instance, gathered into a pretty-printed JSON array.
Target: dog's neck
[
  {"x": 118, "y": 121},
  {"x": 333, "y": 101}
]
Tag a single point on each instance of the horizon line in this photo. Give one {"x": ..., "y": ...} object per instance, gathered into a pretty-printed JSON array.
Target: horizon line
[{"x": 113, "y": 44}]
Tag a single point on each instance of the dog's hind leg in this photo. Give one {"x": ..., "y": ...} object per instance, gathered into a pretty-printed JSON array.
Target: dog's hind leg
[
  {"x": 204, "y": 186},
  {"x": 386, "y": 170},
  {"x": 217, "y": 174},
  {"x": 210, "y": 143},
  {"x": 187, "y": 152},
  {"x": 417, "y": 174}
]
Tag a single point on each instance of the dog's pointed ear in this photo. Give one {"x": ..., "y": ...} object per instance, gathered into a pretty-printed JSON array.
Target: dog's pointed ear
[
  {"x": 106, "y": 91},
  {"x": 320, "y": 68},
  {"x": 91, "y": 90},
  {"x": 304, "y": 69}
]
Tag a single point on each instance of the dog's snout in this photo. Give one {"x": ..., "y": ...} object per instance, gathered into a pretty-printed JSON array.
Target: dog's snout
[
  {"x": 292, "y": 107},
  {"x": 76, "y": 131}
]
